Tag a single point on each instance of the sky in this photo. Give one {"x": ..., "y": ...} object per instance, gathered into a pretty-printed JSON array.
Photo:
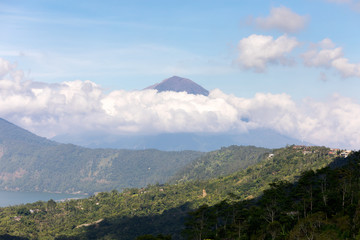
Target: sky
[{"x": 77, "y": 66}]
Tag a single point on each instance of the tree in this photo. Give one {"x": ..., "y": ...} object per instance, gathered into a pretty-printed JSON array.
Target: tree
[
  {"x": 51, "y": 205},
  {"x": 273, "y": 229},
  {"x": 306, "y": 190},
  {"x": 274, "y": 200},
  {"x": 196, "y": 224}
]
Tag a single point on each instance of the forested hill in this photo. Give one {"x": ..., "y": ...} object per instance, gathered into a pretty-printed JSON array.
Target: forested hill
[
  {"x": 71, "y": 169},
  {"x": 162, "y": 209},
  {"x": 283, "y": 164},
  {"x": 269, "y": 165},
  {"x": 221, "y": 163},
  {"x": 32, "y": 163},
  {"x": 322, "y": 204}
]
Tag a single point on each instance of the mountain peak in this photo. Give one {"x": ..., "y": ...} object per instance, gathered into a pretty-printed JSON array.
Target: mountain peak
[
  {"x": 179, "y": 84},
  {"x": 9, "y": 132}
]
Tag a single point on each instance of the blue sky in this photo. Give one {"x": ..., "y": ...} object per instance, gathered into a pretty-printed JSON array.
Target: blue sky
[
  {"x": 308, "y": 50},
  {"x": 132, "y": 44}
]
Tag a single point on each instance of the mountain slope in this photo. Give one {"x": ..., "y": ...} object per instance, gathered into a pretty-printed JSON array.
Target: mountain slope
[
  {"x": 179, "y": 84},
  {"x": 221, "y": 163},
  {"x": 32, "y": 163},
  {"x": 163, "y": 208}
]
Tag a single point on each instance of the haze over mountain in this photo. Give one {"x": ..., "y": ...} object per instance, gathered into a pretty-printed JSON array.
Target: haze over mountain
[
  {"x": 179, "y": 84},
  {"x": 182, "y": 141}
]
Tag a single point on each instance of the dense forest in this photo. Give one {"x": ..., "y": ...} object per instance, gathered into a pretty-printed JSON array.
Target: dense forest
[
  {"x": 292, "y": 193},
  {"x": 322, "y": 204}
]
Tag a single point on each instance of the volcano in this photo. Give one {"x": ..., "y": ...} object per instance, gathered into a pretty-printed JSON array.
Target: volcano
[{"x": 179, "y": 84}]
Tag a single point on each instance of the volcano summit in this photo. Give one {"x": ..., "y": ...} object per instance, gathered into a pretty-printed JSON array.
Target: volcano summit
[{"x": 179, "y": 84}]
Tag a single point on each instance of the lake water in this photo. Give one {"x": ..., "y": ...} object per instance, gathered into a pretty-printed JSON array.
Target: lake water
[{"x": 16, "y": 198}]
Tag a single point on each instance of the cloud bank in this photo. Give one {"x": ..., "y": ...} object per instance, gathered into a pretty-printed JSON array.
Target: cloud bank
[{"x": 78, "y": 106}]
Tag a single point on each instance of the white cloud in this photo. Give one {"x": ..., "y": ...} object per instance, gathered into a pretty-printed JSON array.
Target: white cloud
[
  {"x": 283, "y": 19},
  {"x": 340, "y": 1},
  {"x": 345, "y": 68},
  {"x": 321, "y": 58},
  {"x": 353, "y": 4},
  {"x": 79, "y": 106},
  {"x": 325, "y": 54},
  {"x": 257, "y": 51},
  {"x": 326, "y": 43},
  {"x": 333, "y": 123}
]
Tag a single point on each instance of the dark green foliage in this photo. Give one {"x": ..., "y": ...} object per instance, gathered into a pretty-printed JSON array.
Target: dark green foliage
[
  {"x": 51, "y": 205},
  {"x": 151, "y": 237},
  {"x": 24, "y": 211},
  {"x": 9, "y": 237}
]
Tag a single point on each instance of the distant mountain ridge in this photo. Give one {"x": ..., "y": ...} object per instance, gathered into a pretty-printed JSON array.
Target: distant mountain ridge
[
  {"x": 179, "y": 84},
  {"x": 32, "y": 163},
  {"x": 182, "y": 141}
]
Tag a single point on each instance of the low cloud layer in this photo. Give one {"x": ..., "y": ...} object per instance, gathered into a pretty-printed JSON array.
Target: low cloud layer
[
  {"x": 78, "y": 106},
  {"x": 283, "y": 19},
  {"x": 326, "y": 54},
  {"x": 258, "y": 51}
]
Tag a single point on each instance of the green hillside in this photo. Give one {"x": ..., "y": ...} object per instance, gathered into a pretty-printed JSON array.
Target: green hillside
[
  {"x": 32, "y": 163},
  {"x": 284, "y": 164},
  {"x": 157, "y": 209},
  {"x": 221, "y": 163},
  {"x": 322, "y": 204}
]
